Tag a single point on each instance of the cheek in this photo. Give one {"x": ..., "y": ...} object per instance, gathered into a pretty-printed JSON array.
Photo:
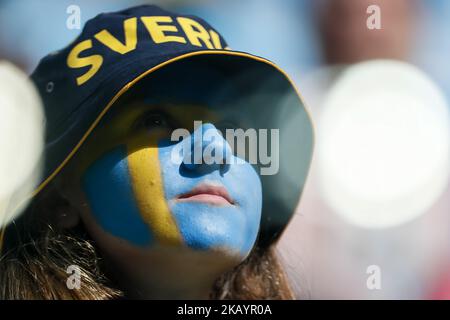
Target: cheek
[
  {"x": 246, "y": 187},
  {"x": 107, "y": 186},
  {"x": 125, "y": 194},
  {"x": 206, "y": 227},
  {"x": 145, "y": 173}
]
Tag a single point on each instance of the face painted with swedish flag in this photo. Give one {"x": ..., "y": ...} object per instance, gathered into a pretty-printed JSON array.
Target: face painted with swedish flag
[
  {"x": 138, "y": 194},
  {"x": 168, "y": 228}
]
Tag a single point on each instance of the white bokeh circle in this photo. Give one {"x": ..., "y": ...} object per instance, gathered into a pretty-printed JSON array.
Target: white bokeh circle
[
  {"x": 383, "y": 144},
  {"x": 21, "y": 140}
]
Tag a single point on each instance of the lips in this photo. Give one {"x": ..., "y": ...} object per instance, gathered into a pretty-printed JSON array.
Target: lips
[{"x": 215, "y": 195}]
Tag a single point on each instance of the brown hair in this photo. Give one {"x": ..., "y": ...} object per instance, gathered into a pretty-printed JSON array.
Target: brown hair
[{"x": 36, "y": 257}]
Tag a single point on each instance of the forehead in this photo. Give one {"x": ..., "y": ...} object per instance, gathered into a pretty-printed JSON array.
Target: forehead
[
  {"x": 127, "y": 112},
  {"x": 121, "y": 125},
  {"x": 121, "y": 121}
]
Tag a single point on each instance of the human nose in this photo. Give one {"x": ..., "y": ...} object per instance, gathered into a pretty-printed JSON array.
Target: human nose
[{"x": 208, "y": 150}]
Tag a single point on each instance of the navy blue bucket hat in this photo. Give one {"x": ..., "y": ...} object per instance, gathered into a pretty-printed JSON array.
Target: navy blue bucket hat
[{"x": 117, "y": 53}]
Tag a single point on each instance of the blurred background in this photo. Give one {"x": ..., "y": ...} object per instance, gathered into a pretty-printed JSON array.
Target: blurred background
[{"x": 374, "y": 220}]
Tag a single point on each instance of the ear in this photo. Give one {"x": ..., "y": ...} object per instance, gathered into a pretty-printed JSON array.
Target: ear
[{"x": 65, "y": 214}]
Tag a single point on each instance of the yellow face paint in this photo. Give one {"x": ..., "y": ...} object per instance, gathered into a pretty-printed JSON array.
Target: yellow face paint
[
  {"x": 147, "y": 184},
  {"x": 125, "y": 129}
]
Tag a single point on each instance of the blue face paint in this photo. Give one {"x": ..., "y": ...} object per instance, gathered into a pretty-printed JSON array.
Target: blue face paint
[
  {"x": 201, "y": 226},
  {"x": 106, "y": 184},
  {"x": 205, "y": 226}
]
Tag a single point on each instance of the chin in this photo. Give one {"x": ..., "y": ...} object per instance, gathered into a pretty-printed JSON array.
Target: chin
[{"x": 229, "y": 230}]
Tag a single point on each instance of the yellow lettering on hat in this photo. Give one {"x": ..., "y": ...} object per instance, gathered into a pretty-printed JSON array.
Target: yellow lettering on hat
[
  {"x": 215, "y": 39},
  {"x": 75, "y": 61},
  {"x": 130, "y": 29},
  {"x": 195, "y": 32},
  {"x": 157, "y": 31}
]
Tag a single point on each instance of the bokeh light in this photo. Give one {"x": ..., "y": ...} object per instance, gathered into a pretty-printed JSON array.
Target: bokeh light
[{"x": 383, "y": 144}]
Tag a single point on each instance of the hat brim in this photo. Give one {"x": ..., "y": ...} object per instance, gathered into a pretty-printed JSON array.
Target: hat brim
[{"x": 259, "y": 85}]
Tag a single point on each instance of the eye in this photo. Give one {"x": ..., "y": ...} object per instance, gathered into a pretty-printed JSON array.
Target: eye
[
  {"x": 226, "y": 124},
  {"x": 155, "y": 119}
]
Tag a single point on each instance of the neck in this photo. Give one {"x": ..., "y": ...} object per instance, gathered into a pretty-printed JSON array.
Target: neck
[
  {"x": 177, "y": 274},
  {"x": 183, "y": 286}
]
